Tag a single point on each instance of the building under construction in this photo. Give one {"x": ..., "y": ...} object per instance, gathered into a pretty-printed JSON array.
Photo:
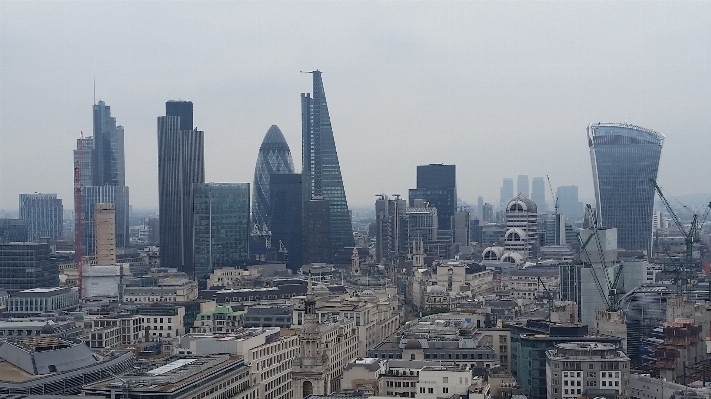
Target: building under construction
[{"x": 683, "y": 345}]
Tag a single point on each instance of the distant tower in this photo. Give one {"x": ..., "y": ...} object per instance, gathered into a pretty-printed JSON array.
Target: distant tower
[
  {"x": 507, "y": 192},
  {"x": 522, "y": 185},
  {"x": 538, "y": 193},
  {"x": 310, "y": 370},
  {"x": 181, "y": 165},
  {"x": 321, "y": 169},
  {"x": 418, "y": 253},
  {"x": 274, "y": 158},
  {"x": 624, "y": 159}
]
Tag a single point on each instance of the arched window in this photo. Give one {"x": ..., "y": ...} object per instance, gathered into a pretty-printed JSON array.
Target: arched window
[{"x": 308, "y": 389}]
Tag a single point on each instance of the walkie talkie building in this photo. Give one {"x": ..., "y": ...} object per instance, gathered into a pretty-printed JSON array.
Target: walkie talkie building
[{"x": 624, "y": 159}]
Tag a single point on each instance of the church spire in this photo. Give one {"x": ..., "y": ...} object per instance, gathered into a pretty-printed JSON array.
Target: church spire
[{"x": 310, "y": 302}]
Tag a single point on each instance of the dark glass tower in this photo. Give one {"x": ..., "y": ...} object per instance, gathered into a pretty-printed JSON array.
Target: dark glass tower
[
  {"x": 437, "y": 184},
  {"x": 321, "y": 170},
  {"x": 181, "y": 165},
  {"x": 624, "y": 157},
  {"x": 274, "y": 158},
  {"x": 108, "y": 164},
  {"x": 317, "y": 231},
  {"x": 286, "y": 212},
  {"x": 182, "y": 109},
  {"x": 221, "y": 226}
]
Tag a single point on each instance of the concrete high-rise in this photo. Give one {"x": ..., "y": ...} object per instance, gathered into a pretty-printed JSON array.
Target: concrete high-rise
[
  {"x": 389, "y": 220},
  {"x": 44, "y": 215},
  {"x": 286, "y": 217},
  {"x": 624, "y": 158},
  {"x": 221, "y": 226},
  {"x": 92, "y": 195},
  {"x": 437, "y": 184},
  {"x": 274, "y": 158},
  {"x": 538, "y": 194},
  {"x": 105, "y": 221},
  {"x": 321, "y": 170},
  {"x": 507, "y": 192},
  {"x": 181, "y": 165},
  {"x": 522, "y": 185}
]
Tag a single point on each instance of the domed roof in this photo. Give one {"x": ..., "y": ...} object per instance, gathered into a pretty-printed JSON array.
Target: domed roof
[
  {"x": 436, "y": 289},
  {"x": 368, "y": 293},
  {"x": 512, "y": 257},
  {"x": 413, "y": 344},
  {"x": 321, "y": 287},
  {"x": 274, "y": 139},
  {"x": 492, "y": 253},
  {"x": 515, "y": 234},
  {"x": 521, "y": 203}
]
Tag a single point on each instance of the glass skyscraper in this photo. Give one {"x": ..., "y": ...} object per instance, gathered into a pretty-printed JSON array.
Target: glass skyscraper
[
  {"x": 624, "y": 157},
  {"x": 221, "y": 225},
  {"x": 181, "y": 165},
  {"x": 321, "y": 170},
  {"x": 437, "y": 184},
  {"x": 108, "y": 164},
  {"x": 274, "y": 158},
  {"x": 287, "y": 215}
]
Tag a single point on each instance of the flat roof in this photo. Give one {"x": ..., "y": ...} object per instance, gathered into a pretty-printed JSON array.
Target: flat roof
[{"x": 171, "y": 366}]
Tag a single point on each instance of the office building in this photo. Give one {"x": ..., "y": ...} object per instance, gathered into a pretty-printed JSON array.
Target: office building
[
  {"x": 462, "y": 228},
  {"x": 507, "y": 192},
  {"x": 390, "y": 216},
  {"x": 35, "y": 301},
  {"x": 568, "y": 202},
  {"x": 286, "y": 217},
  {"x": 274, "y": 158},
  {"x": 437, "y": 184},
  {"x": 321, "y": 170},
  {"x": 624, "y": 159},
  {"x": 530, "y": 340},
  {"x": 25, "y": 265},
  {"x": 93, "y": 195},
  {"x": 181, "y": 166},
  {"x": 221, "y": 224},
  {"x": 538, "y": 193},
  {"x": 522, "y": 186},
  {"x": 44, "y": 215},
  {"x": 521, "y": 238},
  {"x": 105, "y": 221},
  {"x": 480, "y": 208},
  {"x": 587, "y": 369},
  {"x": 108, "y": 164},
  {"x": 13, "y": 230},
  {"x": 317, "y": 230}
]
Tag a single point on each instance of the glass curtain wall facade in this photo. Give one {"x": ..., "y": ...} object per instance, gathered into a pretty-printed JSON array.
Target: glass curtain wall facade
[
  {"x": 27, "y": 265},
  {"x": 221, "y": 226},
  {"x": 44, "y": 215},
  {"x": 624, "y": 157},
  {"x": 274, "y": 158},
  {"x": 108, "y": 165},
  {"x": 181, "y": 165},
  {"x": 321, "y": 170},
  {"x": 287, "y": 215},
  {"x": 437, "y": 184}
]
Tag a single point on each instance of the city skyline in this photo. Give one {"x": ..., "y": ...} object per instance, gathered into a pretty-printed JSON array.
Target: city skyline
[{"x": 528, "y": 88}]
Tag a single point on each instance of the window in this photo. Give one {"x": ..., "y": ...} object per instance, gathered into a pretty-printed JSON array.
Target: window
[
  {"x": 445, "y": 390},
  {"x": 445, "y": 380}
]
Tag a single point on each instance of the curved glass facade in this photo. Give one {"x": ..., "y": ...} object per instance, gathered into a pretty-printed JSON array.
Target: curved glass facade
[
  {"x": 624, "y": 157},
  {"x": 274, "y": 157}
]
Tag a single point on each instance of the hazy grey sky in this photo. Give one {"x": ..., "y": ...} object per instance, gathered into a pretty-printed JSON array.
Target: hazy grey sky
[{"x": 497, "y": 88}]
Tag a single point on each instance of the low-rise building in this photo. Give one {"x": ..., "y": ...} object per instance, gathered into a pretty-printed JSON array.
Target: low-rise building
[
  {"x": 37, "y": 301},
  {"x": 443, "y": 381},
  {"x": 223, "y": 319},
  {"x": 212, "y": 376},
  {"x": 170, "y": 289}
]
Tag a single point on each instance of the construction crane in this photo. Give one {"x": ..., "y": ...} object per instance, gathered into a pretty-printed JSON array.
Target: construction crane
[
  {"x": 691, "y": 235},
  {"x": 613, "y": 295},
  {"x": 549, "y": 296},
  {"x": 553, "y": 197}
]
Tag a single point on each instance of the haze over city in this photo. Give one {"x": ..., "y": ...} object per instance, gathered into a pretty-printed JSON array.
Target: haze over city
[{"x": 499, "y": 89}]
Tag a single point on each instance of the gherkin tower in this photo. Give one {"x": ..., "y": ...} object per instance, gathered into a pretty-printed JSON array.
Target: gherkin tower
[{"x": 274, "y": 158}]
